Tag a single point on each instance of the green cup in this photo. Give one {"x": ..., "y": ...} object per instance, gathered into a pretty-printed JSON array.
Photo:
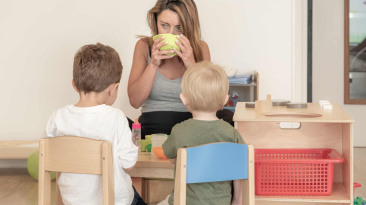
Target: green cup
[
  {"x": 143, "y": 145},
  {"x": 148, "y": 143},
  {"x": 170, "y": 38},
  {"x": 148, "y": 147},
  {"x": 148, "y": 139}
]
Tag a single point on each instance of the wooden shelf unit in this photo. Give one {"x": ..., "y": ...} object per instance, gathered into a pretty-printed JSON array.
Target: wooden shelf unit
[
  {"x": 333, "y": 129},
  {"x": 247, "y": 92}
]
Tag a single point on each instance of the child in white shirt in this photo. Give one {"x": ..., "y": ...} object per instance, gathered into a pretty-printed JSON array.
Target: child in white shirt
[{"x": 96, "y": 75}]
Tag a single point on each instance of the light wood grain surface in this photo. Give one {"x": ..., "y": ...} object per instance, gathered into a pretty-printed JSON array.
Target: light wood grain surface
[
  {"x": 319, "y": 128},
  {"x": 263, "y": 108},
  {"x": 17, "y": 149},
  {"x": 149, "y": 166}
]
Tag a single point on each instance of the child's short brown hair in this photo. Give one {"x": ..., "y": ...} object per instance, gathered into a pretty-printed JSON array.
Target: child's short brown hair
[
  {"x": 96, "y": 67},
  {"x": 205, "y": 86}
]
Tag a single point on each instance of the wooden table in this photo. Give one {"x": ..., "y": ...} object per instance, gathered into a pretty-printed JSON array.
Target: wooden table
[{"x": 149, "y": 166}]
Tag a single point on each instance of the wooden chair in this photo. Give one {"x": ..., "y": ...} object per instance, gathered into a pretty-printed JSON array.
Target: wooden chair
[
  {"x": 74, "y": 155},
  {"x": 215, "y": 162}
]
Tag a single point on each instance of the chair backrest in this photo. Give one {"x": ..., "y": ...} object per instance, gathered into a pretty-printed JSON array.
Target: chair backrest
[
  {"x": 72, "y": 154},
  {"x": 215, "y": 162}
]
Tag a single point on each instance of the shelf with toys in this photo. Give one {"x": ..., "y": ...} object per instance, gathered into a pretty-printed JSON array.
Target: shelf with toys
[{"x": 244, "y": 90}]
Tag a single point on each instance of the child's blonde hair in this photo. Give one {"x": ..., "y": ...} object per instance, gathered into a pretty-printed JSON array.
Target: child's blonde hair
[{"x": 205, "y": 86}]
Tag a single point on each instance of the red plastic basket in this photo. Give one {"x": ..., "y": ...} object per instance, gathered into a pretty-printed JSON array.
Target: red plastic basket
[{"x": 295, "y": 171}]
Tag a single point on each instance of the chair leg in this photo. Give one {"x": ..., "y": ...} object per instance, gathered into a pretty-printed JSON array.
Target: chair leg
[
  {"x": 248, "y": 185},
  {"x": 44, "y": 179},
  {"x": 58, "y": 194},
  {"x": 180, "y": 178},
  {"x": 44, "y": 188},
  {"x": 108, "y": 174}
]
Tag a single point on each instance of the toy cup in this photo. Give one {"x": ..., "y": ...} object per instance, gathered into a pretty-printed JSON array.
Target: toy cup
[
  {"x": 170, "y": 38},
  {"x": 157, "y": 141},
  {"x": 145, "y": 143}
]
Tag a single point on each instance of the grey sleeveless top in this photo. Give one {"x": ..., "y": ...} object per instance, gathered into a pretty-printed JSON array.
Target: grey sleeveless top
[{"x": 164, "y": 95}]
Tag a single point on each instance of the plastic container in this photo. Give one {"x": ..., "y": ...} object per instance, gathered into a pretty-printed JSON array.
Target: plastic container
[
  {"x": 136, "y": 133},
  {"x": 159, "y": 152},
  {"x": 295, "y": 171},
  {"x": 145, "y": 142},
  {"x": 157, "y": 141}
]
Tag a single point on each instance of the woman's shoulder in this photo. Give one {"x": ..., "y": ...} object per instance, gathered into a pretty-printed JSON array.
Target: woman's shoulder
[
  {"x": 204, "y": 44},
  {"x": 142, "y": 48},
  {"x": 142, "y": 44},
  {"x": 205, "y": 50}
]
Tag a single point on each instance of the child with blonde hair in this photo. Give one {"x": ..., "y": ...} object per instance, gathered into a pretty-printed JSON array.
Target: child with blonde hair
[{"x": 204, "y": 91}]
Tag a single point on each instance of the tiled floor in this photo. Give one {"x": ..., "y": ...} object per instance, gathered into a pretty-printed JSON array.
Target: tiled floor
[{"x": 20, "y": 189}]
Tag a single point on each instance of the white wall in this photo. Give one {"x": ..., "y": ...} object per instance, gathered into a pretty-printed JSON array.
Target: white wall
[
  {"x": 252, "y": 35},
  {"x": 39, "y": 39},
  {"x": 328, "y": 62}
]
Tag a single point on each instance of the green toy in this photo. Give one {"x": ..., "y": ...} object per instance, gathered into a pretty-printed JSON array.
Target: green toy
[
  {"x": 148, "y": 147},
  {"x": 359, "y": 201},
  {"x": 32, "y": 166}
]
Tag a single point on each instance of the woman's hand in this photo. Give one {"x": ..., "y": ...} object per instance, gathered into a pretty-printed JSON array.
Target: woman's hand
[
  {"x": 157, "y": 55},
  {"x": 186, "y": 53}
]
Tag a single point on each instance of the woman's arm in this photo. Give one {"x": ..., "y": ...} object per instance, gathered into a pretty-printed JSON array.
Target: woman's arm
[{"x": 142, "y": 75}]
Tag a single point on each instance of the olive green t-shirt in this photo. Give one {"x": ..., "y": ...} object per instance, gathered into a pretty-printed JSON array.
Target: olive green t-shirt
[{"x": 191, "y": 133}]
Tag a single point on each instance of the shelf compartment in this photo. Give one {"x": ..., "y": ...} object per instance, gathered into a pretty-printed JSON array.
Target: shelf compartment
[
  {"x": 339, "y": 195},
  {"x": 295, "y": 171}
]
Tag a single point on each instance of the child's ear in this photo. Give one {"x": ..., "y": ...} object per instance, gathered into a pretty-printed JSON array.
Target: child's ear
[
  {"x": 226, "y": 99},
  {"x": 113, "y": 88},
  {"x": 74, "y": 86},
  {"x": 115, "y": 85},
  {"x": 184, "y": 99}
]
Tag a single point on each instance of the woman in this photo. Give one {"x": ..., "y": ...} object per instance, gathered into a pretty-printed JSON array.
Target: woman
[{"x": 155, "y": 79}]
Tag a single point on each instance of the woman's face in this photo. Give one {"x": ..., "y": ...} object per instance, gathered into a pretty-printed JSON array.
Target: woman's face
[{"x": 168, "y": 22}]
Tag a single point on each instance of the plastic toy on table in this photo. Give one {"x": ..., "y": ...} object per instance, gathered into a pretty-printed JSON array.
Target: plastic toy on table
[
  {"x": 157, "y": 140},
  {"x": 145, "y": 144},
  {"x": 159, "y": 152}
]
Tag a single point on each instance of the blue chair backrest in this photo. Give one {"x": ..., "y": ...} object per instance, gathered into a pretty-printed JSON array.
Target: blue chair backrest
[{"x": 217, "y": 162}]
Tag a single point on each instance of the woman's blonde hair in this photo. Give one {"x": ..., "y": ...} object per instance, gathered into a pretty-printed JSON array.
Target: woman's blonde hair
[
  {"x": 188, "y": 16},
  {"x": 205, "y": 86}
]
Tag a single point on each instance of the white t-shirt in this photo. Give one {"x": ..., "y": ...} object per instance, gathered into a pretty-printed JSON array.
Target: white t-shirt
[{"x": 100, "y": 122}]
